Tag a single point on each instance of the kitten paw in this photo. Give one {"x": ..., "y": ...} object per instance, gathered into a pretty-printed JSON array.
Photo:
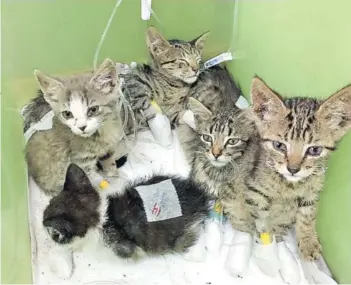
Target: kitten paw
[
  {"x": 267, "y": 259},
  {"x": 289, "y": 269},
  {"x": 197, "y": 252},
  {"x": 214, "y": 237},
  {"x": 61, "y": 263},
  {"x": 237, "y": 261},
  {"x": 310, "y": 248}
]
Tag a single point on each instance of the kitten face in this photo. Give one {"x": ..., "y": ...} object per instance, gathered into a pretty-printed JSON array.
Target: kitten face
[
  {"x": 75, "y": 210},
  {"x": 179, "y": 59},
  {"x": 223, "y": 136},
  {"x": 82, "y": 102},
  {"x": 298, "y": 134}
]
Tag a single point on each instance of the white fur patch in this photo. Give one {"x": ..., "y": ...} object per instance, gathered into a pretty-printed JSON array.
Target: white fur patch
[{"x": 160, "y": 201}]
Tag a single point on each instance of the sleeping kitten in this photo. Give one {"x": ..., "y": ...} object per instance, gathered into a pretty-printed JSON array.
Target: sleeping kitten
[
  {"x": 175, "y": 66},
  {"x": 174, "y": 76},
  {"x": 86, "y": 126},
  {"x": 128, "y": 224},
  {"x": 297, "y": 137}
]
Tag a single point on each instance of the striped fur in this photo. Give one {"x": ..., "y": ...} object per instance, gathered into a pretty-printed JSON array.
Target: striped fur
[
  {"x": 297, "y": 136},
  {"x": 224, "y": 161},
  {"x": 49, "y": 152},
  {"x": 175, "y": 66}
]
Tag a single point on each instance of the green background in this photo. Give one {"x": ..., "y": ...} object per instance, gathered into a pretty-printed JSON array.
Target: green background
[{"x": 299, "y": 47}]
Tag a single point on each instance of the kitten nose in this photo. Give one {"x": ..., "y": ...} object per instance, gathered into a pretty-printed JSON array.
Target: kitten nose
[
  {"x": 82, "y": 128},
  {"x": 216, "y": 153},
  {"x": 293, "y": 170}
]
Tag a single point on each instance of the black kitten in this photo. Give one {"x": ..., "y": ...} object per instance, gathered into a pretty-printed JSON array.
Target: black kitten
[{"x": 156, "y": 216}]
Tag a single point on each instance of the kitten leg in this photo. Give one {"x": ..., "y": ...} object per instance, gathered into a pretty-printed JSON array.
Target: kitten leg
[
  {"x": 306, "y": 234},
  {"x": 237, "y": 261},
  {"x": 61, "y": 261},
  {"x": 214, "y": 234},
  {"x": 108, "y": 164},
  {"x": 266, "y": 257},
  {"x": 289, "y": 268},
  {"x": 197, "y": 252}
]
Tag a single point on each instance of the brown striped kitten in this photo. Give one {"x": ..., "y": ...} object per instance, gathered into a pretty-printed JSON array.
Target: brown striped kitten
[
  {"x": 222, "y": 152},
  {"x": 297, "y": 137},
  {"x": 86, "y": 126},
  {"x": 175, "y": 66}
]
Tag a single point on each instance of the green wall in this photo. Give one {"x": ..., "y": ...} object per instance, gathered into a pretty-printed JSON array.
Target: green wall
[{"x": 300, "y": 47}]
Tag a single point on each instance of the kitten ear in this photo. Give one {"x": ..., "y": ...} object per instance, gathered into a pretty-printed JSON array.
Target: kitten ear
[
  {"x": 266, "y": 104},
  {"x": 60, "y": 228},
  {"x": 76, "y": 178},
  {"x": 199, "y": 110},
  {"x": 105, "y": 78},
  {"x": 155, "y": 42},
  {"x": 199, "y": 42},
  {"x": 50, "y": 86},
  {"x": 335, "y": 112}
]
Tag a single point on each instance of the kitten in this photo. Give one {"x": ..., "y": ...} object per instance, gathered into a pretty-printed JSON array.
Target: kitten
[
  {"x": 123, "y": 222},
  {"x": 86, "y": 126},
  {"x": 222, "y": 151},
  {"x": 297, "y": 137},
  {"x": 175, "y": 66}
]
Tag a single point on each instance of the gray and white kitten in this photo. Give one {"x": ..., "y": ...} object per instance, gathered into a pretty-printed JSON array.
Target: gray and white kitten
[
  {"x": 86, "y": 126},
  {"x": 120, "y": 222}
]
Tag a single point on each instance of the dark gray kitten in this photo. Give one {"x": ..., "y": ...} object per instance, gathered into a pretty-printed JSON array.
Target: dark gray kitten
[{"x": 122, "y": 221}]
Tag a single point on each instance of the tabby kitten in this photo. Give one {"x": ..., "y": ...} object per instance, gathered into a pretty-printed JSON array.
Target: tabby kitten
[
  {"x": 215, "y": 89},
  {"x": 86, "y": 126},
  {"x": 122, "y": 222},
  {"x": 175, "y": 66},
  {"x": 222, "y": 151},
  {"x": 297, "y": 136}
]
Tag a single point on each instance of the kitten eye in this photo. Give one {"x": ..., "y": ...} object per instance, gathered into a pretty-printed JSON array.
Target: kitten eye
[
  {"x": 67, "y": 115},
  {"x": 206, "y": 138},
  {"x": 233, "y": 141},
  {"x": 93, "y": 110},
  {"x": 314, "y": 150},
  {"x": 182, "y": 64},
  {"x": 279, "y": 146}
]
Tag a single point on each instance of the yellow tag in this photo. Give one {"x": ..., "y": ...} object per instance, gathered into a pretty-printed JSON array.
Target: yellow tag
[
  {"x": 218, "y": 207},
  {"x": 104, "y": 184},
  {"x": 265, "y": 238},
  {"x": 156, "y": 106}
]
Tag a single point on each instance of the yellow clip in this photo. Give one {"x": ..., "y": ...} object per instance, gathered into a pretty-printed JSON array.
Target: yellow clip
[
  {"x": 265, "y": 238},
  {"x": 218, "y": 207},
  {"x": 156, "y": 106},
  {"x": 104, "y": 184}
]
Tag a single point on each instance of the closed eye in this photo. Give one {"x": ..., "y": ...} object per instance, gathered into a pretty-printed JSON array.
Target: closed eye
[{"x": 182, "y": 63}]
